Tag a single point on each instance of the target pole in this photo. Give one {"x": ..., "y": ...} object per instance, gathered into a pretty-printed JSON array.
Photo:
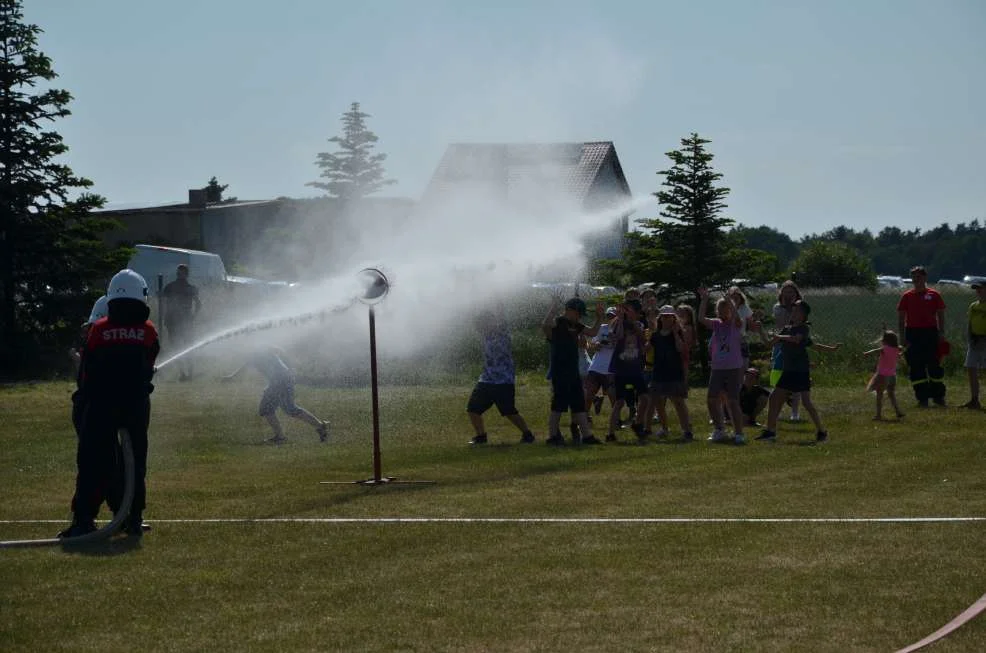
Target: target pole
[
  {"x": 375, "y": 397},
  {"x": 376, "y": 288}
]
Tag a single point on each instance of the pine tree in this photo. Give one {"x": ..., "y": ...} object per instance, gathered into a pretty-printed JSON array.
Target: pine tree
[
  {"x": 353, "y": 171},
  {"x": 53, "y": 263},
  {"x": 214, "y": 191}
]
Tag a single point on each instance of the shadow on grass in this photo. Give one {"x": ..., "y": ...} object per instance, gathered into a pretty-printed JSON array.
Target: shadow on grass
[{"x": 113, "y": 546}]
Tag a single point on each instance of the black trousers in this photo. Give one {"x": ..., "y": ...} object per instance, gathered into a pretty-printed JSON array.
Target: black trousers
[
  {"x": 926, "y": 373},
  {"x": 98, "y": 459},
  {"x": 114, "y": 489}
]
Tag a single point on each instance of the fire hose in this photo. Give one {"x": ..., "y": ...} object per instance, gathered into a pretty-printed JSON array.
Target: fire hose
[{"x": 109, "y": 529}]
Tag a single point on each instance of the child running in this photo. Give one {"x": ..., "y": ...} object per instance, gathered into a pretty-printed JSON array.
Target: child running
[
  {"x": 726, "y": 363},
  {"x": 795, "y": 338},
  {"x": 279, "y": 393},
  {"x": 885, "y": 377}
]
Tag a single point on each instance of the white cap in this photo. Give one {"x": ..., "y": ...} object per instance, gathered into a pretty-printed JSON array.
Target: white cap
[
  {"x": 127, "y": 284},
  {"x": 99, "y": 309}
]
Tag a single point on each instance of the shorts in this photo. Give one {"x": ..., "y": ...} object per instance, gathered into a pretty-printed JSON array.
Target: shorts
[
  {"x": 279, "y": 394},
  {"x": 975, "y": 355},
  {"x": 629, "y": 386},
  {"x": 882, "y": 382},
  {"x": 567, "y": 394},
  {"x": 795, "y": 381},
  {"x": 669, "y": 389},
  {"x": 726, "y": 382},
  {"x": 604, "y": 381},
  {"x": 485, "y": 395}
]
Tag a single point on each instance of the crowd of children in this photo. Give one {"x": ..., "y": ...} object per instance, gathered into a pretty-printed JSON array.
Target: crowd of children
[{"x": 637, "y": 355}]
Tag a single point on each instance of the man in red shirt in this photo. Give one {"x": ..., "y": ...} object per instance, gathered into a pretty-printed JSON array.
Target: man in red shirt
[{"x": 921, "y": 320}]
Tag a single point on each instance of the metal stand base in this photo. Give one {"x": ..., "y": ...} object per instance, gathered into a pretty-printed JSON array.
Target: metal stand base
[{"x": 387, "y": 480}]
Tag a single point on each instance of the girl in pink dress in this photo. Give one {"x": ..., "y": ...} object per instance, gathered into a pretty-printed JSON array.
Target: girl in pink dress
[{"x": 885, "y": 377}]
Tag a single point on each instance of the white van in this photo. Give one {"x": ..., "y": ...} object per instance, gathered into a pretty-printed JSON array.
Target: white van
[{"x": 205, "y": 269}]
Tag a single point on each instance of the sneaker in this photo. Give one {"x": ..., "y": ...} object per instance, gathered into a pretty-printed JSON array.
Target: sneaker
[
  {"x": 597, "y": 404},
  {"x": 277, "y": 439},
  {"x": 639, "y": 431},
  {"x": 821, "y": 436},
  {"x": 661, "y": 432},
  {"x": 555, "y": 440},
  {"x": 973, "y": 404},
  {"x": 77, "y": 529},
  {"x": 610, "y": 437},
  {"x": 795, "y": 417},
  {"x": 767, "y": 436},
  {"x": 478, "y": 439},
  {"x": 717, "y": 436},
  {"x": 527, "y": 438},
  {"x": 323, "y": 431},
  {"x": 688, "y": 436},
  {"x": 739, "y": 438},
  {"x": 591, "y": 440}
]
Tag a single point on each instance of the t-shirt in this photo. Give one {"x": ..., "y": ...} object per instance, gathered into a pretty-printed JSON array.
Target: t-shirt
[
  {"x": 667, "y": 359},
  {"x": 604, "y": 355},
  {"x": 269, "y": 363},
  {"x": 564, "y": 357},
  {"x": 725, "y": 346},
  {"x": 628, "y": 357},
  {"x": 887, "y": 365},
  {"x": 498, "y": 359},
  {"x": 181, "y": 298},
  {"x": 977, "y": 318},
  {"x": 795, "y": 355},
  {"x": 921, "y": 308},
  {"x": 745, "y": 313}
]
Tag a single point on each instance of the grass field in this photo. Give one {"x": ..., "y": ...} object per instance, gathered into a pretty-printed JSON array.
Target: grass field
[{"x": 616, "y": 584}]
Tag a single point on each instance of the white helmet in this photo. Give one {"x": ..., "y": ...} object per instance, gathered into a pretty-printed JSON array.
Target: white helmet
[
  {"x": 100, "y": 309},
  {"x": 127, "y": 284}
]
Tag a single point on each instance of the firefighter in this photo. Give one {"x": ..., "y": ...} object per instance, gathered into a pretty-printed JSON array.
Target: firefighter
[{"x": 116, "y": 368}]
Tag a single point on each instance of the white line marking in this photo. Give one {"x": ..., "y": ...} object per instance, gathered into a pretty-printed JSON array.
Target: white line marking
[{"x": 541, "y": 520}]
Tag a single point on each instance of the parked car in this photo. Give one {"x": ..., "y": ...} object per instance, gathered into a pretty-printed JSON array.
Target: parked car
[
  {"x": 970, "y": 279},
  {"x": 950, "y": 282}
]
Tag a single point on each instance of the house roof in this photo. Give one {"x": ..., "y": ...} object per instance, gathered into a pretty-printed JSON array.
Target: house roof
[{"x": 570, "y": 168}]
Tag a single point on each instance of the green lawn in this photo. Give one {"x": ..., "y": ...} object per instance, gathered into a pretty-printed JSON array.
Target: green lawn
[{"x": 505, "y": 586}]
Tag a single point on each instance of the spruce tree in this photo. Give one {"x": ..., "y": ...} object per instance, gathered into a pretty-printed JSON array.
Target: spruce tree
[
  {"x": 53, "y": 263},
  {"x": 353, "y": 171}
]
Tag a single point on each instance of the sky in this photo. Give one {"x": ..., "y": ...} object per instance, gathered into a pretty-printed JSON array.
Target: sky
[{"x": 864, "y": 113}]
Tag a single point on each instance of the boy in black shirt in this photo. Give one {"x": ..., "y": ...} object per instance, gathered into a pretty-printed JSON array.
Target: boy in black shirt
[{"x": 563, "y": 332}]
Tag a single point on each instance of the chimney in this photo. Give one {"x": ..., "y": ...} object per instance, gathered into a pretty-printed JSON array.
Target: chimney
[{"x": 197, "y": 198}]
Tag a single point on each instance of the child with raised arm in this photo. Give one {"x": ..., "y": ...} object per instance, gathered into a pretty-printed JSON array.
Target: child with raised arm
[
  {"x": 496, "y": 385},
  {"x": 795, "y": 338},
  {"x": 567, "y": 393},
  {"x": 726, "y": 363},
  {"x": 668, "y": 375},
  {"x": 885, "y": 377},
  {"x": 279, "y": 393},
  {"x": 628, "y": 333}
]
